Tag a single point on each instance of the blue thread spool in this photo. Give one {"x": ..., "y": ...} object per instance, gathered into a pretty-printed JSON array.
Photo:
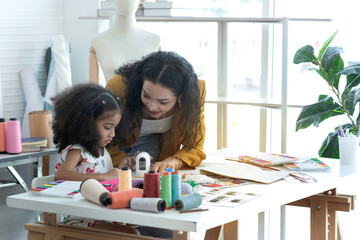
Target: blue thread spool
[
  {"x": 175, "y": 186},
  {"x": 192, "y": 200}
]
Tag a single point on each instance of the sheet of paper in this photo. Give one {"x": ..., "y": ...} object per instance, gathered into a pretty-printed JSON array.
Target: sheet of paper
[{"x": 245, "y": 171}]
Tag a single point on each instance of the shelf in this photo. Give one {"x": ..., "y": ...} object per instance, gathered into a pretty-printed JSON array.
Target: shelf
[
  {"x": 254, "y": 103},
  {"x": 215, "y": 19}
]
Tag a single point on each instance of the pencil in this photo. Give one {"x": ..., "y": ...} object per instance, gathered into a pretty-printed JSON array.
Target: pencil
[{"x": 194, "y": 210}]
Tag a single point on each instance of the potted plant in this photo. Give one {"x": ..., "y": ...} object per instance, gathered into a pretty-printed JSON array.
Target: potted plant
[{"x": 345, "y": 101}]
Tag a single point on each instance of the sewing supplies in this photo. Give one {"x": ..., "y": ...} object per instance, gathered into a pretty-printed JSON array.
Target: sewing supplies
[
  {"x": 151, "y": 185},
  {"x": 195, "y": 210},
  {"x": 121, "y": 199},
  {"x": 186, "y": 188},
  {"x": 192, "y": 200},
  {"x": 125, "y": 179},
  {"x": 175, "y": 186},
  {"x": 94, "y": 191},
  {"x": 148, "y": 204},
  {"x": 165, "y": 189},
  {"x": 142, "y": 163}
]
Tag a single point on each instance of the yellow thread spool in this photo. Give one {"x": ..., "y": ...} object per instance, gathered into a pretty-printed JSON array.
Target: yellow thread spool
[{"x": 125, "y": 182}]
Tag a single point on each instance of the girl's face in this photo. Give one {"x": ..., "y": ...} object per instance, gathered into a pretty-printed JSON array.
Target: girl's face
[
  {"x": 157, "y": 99},
  {"x": 106, "y": 127}
]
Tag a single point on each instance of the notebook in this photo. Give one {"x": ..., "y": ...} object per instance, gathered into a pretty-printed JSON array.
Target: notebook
[{"x": 60, "y": 188}]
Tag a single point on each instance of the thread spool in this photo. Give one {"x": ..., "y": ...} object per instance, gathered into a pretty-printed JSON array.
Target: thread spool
[
  {"x": 121, "y": 199},
  {"x": 142, "y": 164},
  {"x": 13, "y": 136},
  {"x": 138, "y": 183},
  {"x": 148, "y": 204},
  {"x": 2, "y": 135},
  {"x": 192, "y": 200},
  {"x": 151, "y": 185},
  {"x": 94, "y": 191},
  {"x": 165, "y": 190},
  {"x": 125, "y": 179},
  {"x": 175, "y": 186}
]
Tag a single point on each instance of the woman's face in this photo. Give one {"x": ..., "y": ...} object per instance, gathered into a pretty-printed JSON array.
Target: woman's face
[{"x": 157, "y": 99}]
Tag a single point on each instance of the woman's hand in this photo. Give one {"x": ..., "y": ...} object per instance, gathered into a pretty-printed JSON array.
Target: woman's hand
[
  {"x": 128, "y": 162},
  {"x": 170, "y": 162}
]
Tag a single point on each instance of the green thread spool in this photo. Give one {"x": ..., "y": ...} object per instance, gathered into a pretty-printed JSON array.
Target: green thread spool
[
  {"x": 165, "y": 190},
  {"x": 192, "y": 200}
]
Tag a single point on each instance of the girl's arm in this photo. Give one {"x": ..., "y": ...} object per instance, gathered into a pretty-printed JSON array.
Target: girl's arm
[{"x": 73, "y": 158}]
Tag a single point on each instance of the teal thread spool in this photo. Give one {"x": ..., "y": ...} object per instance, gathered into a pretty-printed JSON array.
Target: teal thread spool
[
  {"x": 192, "y": 200},
  {"x": 165, "y": 190},
  {"x": 175, "y": 186}
]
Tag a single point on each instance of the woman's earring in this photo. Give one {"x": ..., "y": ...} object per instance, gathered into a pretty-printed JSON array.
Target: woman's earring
[{"x": 179, "y": 102}]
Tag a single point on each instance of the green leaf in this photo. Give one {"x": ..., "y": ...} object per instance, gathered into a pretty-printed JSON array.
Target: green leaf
[
  {"x": 352, "y": 80},
  {"x": 326, "y": 44},
  {"x": 352, "y": 99},
  {"x": 330, "y": 55},
  {"x": 305, "y": 54},
  {"x": 353, "y": 68},
  {"x": 321, "y": 73},
  {"x": 330, "y": 146},
  {"x": 335, "y": 67},
  {"x": 316, "y": 113}
]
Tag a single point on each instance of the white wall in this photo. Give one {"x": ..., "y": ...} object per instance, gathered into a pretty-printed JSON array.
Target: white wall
[{"x": 78, "y": 33}]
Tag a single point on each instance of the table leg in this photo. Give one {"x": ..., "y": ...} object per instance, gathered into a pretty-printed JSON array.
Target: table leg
[
  {"x": 18, "y": 178},
  {"x": 231, "y": 230},
  {"x": 214, "y": 233},
  {"x": 263, "y": 223},
  {"x": 283, "y": 222},
  {"x": 180, "y": 235}
]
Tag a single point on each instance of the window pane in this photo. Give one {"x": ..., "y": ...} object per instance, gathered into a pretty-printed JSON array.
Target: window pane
[
  {"x": 211, "y": 128},
  {"x": 243, "y": 128},
  {"x": 244, "y": 60},
  {"x": 191, "y": 41}
]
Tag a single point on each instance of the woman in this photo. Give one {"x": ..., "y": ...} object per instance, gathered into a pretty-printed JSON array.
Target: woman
[{"x": 164, "y": 111}]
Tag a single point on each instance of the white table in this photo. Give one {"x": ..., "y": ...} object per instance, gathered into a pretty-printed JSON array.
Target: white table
[
  {"x": 10, "y": 160},
  {"x": 274, "y": 195}
]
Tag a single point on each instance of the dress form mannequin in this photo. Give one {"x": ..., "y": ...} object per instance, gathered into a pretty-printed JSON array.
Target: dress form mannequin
[{"x": 124, "y": 41}]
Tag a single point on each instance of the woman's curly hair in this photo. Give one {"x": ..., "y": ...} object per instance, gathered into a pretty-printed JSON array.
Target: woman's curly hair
[
  {"x": 173, "y": 72},
  {"x": 76, "y": 110}
]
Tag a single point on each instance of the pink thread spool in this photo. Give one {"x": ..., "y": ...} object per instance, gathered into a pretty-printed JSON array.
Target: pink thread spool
[
  {"x": 2, "y": 135},
  {"x": 13, "y": 137}
]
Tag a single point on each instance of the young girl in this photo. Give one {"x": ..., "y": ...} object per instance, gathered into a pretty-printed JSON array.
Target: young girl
[{"x": 86, "y": 117}]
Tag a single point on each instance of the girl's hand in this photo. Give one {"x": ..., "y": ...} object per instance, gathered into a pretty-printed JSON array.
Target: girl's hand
[
  {"x": 170, "y": 162},
  {"x": 113, "y": 173}
]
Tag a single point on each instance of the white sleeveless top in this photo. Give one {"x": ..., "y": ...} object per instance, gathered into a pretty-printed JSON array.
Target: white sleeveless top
[{"x": 155, "y": 126}]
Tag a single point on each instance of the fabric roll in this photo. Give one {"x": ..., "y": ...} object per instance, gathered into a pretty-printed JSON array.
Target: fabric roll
[
  {"x": 33, "y": 98},
  {"x": 61, "y": 77}
]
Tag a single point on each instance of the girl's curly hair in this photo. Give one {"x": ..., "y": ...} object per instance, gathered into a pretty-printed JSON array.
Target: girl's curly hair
[
  {"x": 173, "y": 72},
  {"x": 76, "y": 110}
]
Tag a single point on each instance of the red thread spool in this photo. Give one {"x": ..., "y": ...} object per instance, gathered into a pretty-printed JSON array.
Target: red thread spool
[
  {"x": 152, "y": 185},
  {"x": 121, "y": 199}
]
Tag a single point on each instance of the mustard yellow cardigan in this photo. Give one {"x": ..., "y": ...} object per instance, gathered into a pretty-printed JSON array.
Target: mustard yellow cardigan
[{"x": 170, "y": 142}]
